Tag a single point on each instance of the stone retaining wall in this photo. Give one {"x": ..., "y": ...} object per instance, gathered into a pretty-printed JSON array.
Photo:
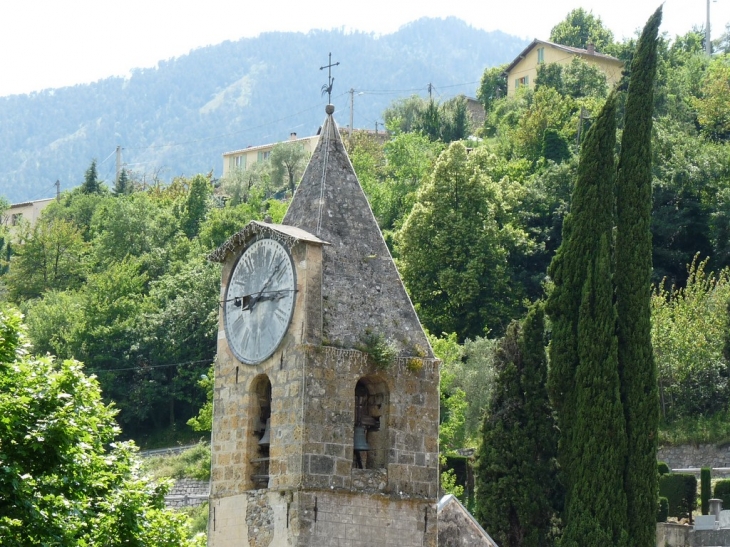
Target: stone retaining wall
[
  {"x": 187, "y": 493},
  {"x": 704, "y": 455}
]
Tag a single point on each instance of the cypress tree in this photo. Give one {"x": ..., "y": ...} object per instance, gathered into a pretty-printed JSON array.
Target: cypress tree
[
  {"x": 596, "y": 510},
  {"x": 123, "y": 184},
  {"x": 517, "y": 488},
  {"x": 91, "y": 184},
  {"x": 588, "y": 220},
  {"x": 637, "y": 369}
]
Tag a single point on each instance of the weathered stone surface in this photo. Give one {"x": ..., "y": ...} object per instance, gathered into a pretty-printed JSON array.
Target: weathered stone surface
[
  {"x": 669, "y": 534},
  {"x": 458, "y": 528},
  {"x": 361, "y": 288},
  {"x": 695, "y": 456},
  {"x": 187, "y": 493}
]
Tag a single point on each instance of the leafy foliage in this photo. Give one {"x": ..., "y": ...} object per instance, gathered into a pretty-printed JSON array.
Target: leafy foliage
[
  {"x": 689, "y": 327},
  {"x": 681, "y": 492},
  {"x": 64, "y": 480},
  {"x": 580, "y": 28},
  {"x": 453, "y": 246},
  {"x": 518, "y": 494}
]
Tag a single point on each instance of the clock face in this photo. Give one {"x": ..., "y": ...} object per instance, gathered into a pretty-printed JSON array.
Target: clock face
[{"x": 259, "y": 301}]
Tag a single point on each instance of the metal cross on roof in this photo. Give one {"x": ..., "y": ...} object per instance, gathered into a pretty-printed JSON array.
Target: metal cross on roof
[{"x": 327, "y": 88}]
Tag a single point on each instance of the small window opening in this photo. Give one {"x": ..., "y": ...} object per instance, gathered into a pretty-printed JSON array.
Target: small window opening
[
  {"x": 262, "y": 431},
  {"x": 370, "y": 439}
]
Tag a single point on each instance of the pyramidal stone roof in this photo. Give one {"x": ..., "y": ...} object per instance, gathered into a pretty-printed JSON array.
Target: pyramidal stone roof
[{"x": 361, "y": 289}]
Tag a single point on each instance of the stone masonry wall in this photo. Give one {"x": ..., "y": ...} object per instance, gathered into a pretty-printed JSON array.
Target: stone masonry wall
[
  {"x": 704, "y": 455},
  {"x": 187, "y": 493},
  {"x": 339, "y": 519},
  {"x": 331, "y": 375}
]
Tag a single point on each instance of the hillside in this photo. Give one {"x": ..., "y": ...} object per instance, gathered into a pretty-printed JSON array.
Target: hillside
[{"x": 179, "y": 117}]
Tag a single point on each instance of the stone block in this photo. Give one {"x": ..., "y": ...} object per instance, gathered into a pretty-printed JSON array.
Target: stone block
[{"x": 705, "y": 522}]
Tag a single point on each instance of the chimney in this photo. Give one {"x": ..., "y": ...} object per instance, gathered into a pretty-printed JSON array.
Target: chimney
[
  {"x": 591, "y": 48},
  {"x": 292, "y": 136}
]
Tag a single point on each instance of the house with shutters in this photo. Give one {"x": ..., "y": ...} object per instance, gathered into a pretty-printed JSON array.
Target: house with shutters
[{"x": 522, "y": 72}]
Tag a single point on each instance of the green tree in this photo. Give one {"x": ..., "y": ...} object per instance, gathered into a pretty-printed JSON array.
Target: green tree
[
  {"x": 196, "y": 205},
  {"x": 455, "y": 120},
  {"x": 452, "y": 251},
  {"x": 64, "y": 479},
  {"x": 240, "y": 185},
  {"x": 288, "y": 161},
  {"x": 581, "y": 79},
  {"x": 550, "y": 75},
  {"x": 403, "y": 115},
  {"x": 580, "y": 28},
  {"x": 637, "y": 368},
  {"x": 583, "y": 346},
  {"x": 547, "y": 110},
  {"x": 689, "y": 327},
  {"x": 492, "y": 86},
  {"x": 713, "y": 106},
  {"x": 123, "y": 185},
  {"x": 555, "y": 147},
  {"x": 429, "y": 121},
  {"x": 51, "y": 256},
  {"x": 518, "y": 494},
  {"x": 91, "y": 184},
  {"x": 595, "y": 511}
]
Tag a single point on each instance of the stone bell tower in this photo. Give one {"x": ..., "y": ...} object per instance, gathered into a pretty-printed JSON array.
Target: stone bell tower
[{"x": 319, "y": 436}]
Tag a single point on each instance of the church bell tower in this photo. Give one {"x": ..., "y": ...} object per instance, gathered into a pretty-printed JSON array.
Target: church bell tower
[{"x": 326, "y": 401}]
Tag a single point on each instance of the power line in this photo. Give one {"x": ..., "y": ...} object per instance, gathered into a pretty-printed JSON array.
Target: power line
[{"x": 186, "y": 363}]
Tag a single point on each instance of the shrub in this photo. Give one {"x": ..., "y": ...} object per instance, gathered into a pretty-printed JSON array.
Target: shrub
[
  {"x": 662, "y": 509},
  {"x": 681, "y": 491},
  {"x": 722, "y": 491},
  {"x": 705, "y": 490},
  {"x": 662, "y": 468}
]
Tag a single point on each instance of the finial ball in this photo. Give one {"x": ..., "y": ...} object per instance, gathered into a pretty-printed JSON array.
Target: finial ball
[{"x": 329, "y": 109}]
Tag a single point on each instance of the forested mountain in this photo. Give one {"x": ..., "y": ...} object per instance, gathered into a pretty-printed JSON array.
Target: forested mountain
[{"x": 179, "y": 117}]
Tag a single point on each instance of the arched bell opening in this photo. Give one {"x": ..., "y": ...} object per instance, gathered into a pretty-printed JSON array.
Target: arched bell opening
[
  {"x": 260, "y": 440},
  {"x": 370, "y": 439}
]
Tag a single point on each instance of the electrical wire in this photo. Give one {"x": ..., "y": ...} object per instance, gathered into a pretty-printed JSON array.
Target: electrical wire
[{"x": 185, "y": 363}]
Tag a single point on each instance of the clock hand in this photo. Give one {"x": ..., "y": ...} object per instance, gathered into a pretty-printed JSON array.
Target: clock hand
[{"x": 263, "y": 289}]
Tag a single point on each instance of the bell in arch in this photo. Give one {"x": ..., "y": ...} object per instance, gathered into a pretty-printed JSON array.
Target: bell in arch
[
  {"x": 266, "y": 437},
  {"x": 361, "y": 442}
]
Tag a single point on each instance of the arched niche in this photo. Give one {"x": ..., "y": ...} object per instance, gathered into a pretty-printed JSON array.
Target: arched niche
[
  {"x": 259, "y": 421},
  {"x": 372, "y": 403}
]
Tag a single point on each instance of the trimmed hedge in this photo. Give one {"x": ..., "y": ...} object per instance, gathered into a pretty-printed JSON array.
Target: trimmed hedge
[
  {"x": 681, "y": 492},
  {"x": 705, "y": 490},
  {"x": 662, "y": 468},
  {"x": 662, "y": 510},
  {"x": 722, "y": 491}
]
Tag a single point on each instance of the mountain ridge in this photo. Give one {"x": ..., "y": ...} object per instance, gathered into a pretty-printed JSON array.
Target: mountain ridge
[{"x": 178, "y": 117}]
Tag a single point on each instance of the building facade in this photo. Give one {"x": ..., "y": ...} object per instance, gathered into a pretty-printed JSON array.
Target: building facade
[{"x": 522, "y": 72}]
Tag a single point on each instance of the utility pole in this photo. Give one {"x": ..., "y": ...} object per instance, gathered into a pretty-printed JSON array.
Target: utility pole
[
  {"x": 376, "y": 127},
  {"x": 352, "y": 111},
  {"x": 119, "y": 164},
  {"x": 582, "y": 116},
  {"x": 708, "y": 43},
  {"x": 58, "y": 191},
  {"x": 430, "y": 89}
]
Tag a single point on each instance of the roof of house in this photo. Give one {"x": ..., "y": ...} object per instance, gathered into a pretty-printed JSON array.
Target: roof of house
[
  {"x": 28, "y": 203},
  {"x": 568, "y": 49},
  {"x": 361, "y": 288},
  {"x": 269, "y": 145}
]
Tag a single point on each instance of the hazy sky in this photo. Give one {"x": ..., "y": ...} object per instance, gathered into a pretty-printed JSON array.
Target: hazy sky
[{"x": 54, "y": 43}]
